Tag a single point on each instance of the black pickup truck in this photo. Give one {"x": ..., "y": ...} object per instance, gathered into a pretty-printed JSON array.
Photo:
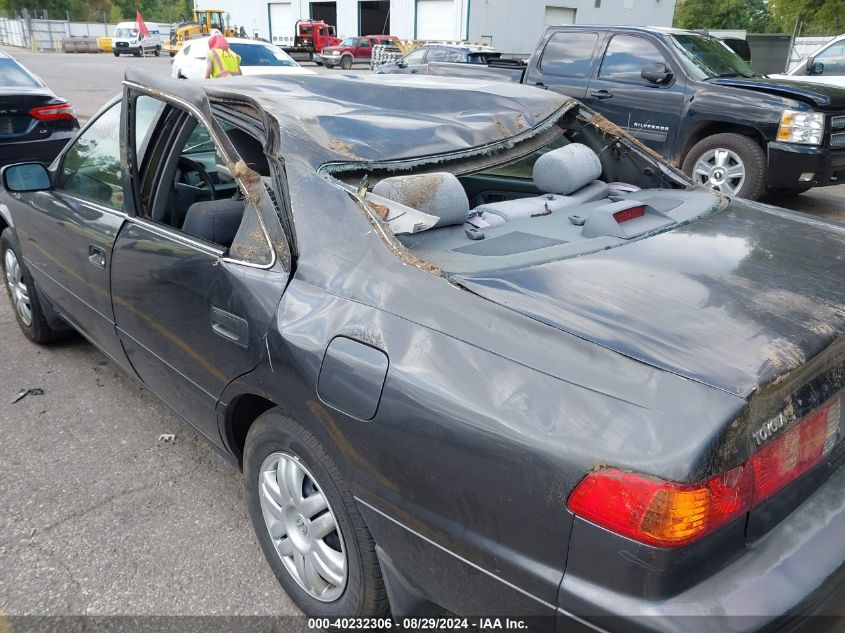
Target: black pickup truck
[{"x": 693, "y": 100}]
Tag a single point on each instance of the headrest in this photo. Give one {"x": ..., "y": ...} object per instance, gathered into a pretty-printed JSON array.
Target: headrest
[
  {"x": 439, "y": 194},
  {"x": 566, "y": 169}
]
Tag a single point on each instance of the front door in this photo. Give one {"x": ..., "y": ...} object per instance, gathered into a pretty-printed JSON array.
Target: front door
[
  {"x": 363, "y": 50},
  {"x": 649, "y": 111},
  {"x": 68, "y": 232},
  {"x": 194, "y": 279}
]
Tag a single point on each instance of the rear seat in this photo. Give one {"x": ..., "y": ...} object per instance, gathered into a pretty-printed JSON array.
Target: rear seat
[{"x": 569, "y": 176}]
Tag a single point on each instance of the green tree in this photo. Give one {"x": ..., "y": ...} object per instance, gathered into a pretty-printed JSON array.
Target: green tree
[
  {"x": 754, "y": 16},
  {"x": 818, "y": 17}
]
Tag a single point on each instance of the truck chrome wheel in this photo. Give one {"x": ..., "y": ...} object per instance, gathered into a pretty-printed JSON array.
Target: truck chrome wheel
[
  {"x": 302, "y": 527},
  {"x": 721, "y": 169},
  {"x": 17, "y": 287}
]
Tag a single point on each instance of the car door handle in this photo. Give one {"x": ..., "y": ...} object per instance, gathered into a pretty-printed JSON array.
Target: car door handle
[
  {"x": 229, "y": 326},
  {"x": 96, "y": 256},
  {"x": 414, "y": 71},
  {"x": 601, "y": 94},
  {"x": 540, "y": 84}
]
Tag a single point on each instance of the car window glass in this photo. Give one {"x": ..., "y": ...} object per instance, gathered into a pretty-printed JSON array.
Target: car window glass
[
  {"x": 260, "y": 55},
  {"x": 454, "y": 56},
  {"x": 626, "y": 56},
  {"x": 415, "y": 57},
  {"x": 364, "y": 43},
  {"x": 147, "y": 112},
  {"x": 833, "y": 59},
  {"x": 91, "y": 167},
  {"x": 436, "y": 55},
  {"x": 568, "y": 54},
  {"x": 13, "y": 74}
]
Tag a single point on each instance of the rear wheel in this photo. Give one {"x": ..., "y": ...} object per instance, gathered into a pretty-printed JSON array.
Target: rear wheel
[
  {"x": 306, "y": 520},
  {"x": 346, "y": 62},
  {"x": 21, "y": 290},
  {"x": 731, "y": 163}
]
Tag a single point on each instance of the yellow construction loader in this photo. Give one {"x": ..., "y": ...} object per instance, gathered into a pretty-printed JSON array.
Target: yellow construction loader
[{"x": 204, "y": 22}]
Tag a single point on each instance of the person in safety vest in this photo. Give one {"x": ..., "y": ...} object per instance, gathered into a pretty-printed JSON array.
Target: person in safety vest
[{"x": 222, "y": 62}]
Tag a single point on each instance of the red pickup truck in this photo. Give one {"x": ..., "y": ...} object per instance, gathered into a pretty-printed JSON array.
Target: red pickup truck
[{"x": 353, "y": 49}]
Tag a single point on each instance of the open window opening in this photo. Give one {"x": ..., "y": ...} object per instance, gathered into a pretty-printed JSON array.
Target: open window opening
[
  {"x": 187, "y": 186},
  {"x": 576, "y": 188}
]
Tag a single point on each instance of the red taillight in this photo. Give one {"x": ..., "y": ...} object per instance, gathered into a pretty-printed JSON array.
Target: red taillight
[
  {"x": 796, "y": 451},
  {"x": 54, "y": 112},
  {"x": 657, "y": 512},
  {"x": 629, "y": 214},
  {"x": 670, "y": 514}
]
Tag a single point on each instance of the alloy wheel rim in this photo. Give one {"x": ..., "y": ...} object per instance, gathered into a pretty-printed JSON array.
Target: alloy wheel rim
[
  {"x": 302, "y": 527},
  {"x": 17, "y": 288},
  {"x": 720, "y": 169}
]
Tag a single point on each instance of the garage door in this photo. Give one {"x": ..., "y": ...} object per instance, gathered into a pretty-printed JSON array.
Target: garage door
[
  {"x": 559, "y": 15},
  {"x": 436, "y": 20},
  {"x": 281, "y": 22}
]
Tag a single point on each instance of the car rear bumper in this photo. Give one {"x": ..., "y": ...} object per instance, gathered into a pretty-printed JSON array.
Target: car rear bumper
[
  {"x": 792, "y": 577},
  {"x": 788, "y": 162},
  {"x": 38, "y": 151}
]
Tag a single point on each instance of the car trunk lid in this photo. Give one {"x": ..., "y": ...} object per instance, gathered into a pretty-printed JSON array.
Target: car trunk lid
[
  {"x": 748, "y": 300},
  {"x": 16, "y": 122}
]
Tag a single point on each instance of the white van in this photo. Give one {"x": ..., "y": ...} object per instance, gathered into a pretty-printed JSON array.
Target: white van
[{"x": 127, "y": 40}]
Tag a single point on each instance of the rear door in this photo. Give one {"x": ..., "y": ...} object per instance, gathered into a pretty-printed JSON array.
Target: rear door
[
  {"x": 650, "y": 112},
  {"x": 565, "y": 62},
  {"x": 195, "y": 280}
]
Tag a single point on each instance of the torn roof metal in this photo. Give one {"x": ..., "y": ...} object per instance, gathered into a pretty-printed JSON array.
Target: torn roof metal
[{"x": 369, "y": 118}]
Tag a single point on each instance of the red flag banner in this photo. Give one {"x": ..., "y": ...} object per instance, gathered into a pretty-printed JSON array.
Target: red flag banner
[{"x": 143, "y": 31}]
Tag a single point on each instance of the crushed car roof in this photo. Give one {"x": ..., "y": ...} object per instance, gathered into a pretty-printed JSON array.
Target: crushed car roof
[{"x": 377, "y": 118}]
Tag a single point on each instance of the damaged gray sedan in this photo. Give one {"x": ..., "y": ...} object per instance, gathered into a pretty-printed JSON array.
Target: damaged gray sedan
[{"x": 475, "y": 349}]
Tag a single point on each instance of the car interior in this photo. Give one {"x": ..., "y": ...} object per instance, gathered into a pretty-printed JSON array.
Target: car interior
[
  {"x": 566, "y": 199},
  {"x": 194, "y": 192}
]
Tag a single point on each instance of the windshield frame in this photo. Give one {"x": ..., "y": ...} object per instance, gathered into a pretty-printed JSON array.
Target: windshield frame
[{"x": 734, "y": 65}]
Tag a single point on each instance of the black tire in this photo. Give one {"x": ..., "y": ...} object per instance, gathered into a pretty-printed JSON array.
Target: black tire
[
  {"x": 157, "y": 51},
  {"x": 38, "y": 331},
  {"x": 346, "y": 62},
  {"x": 750, "y": 153},
  {"x": 138, "y": 53},
  {"x": 786, "y": 192},
  {"x": 364, "y": 594},
  {"x": 172, "y": 54},
  {"x": 116, "y": 54}
]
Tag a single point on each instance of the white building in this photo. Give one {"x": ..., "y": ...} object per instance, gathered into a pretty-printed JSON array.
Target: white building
[{"x": 511, "y": 26}]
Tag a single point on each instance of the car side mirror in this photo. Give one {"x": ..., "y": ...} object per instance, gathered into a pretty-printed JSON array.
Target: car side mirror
[
  {"x": 402, "y": 63},
  {"x": 813, "y": 67},
  {"x": 656, "y": 73},
  {"x": 25, "y": 177}
]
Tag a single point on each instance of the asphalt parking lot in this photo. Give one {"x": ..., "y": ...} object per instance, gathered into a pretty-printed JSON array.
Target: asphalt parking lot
[{"x": 99, "y": 515}]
